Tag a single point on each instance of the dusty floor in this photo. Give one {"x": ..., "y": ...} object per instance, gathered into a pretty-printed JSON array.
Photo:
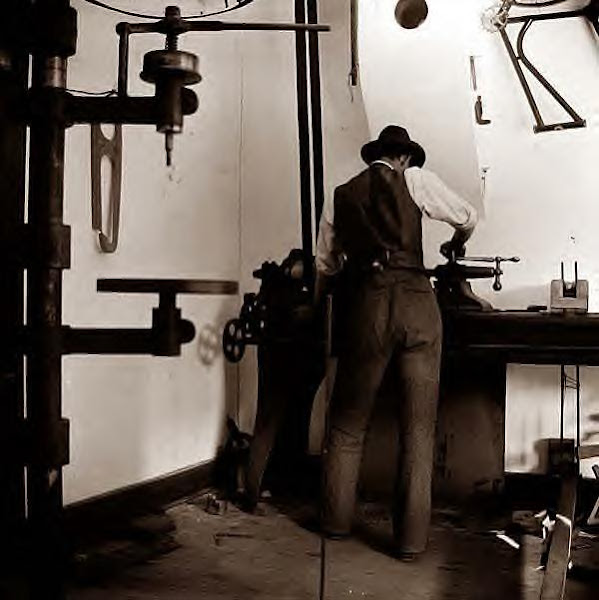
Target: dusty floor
[{"x": 235, "y": 556}]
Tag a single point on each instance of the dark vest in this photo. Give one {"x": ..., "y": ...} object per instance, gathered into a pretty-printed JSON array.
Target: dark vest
[{"x": 374, "y": 214}]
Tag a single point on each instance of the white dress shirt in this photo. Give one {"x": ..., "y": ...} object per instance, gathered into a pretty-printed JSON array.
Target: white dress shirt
[{"x": 428, "y": 192}]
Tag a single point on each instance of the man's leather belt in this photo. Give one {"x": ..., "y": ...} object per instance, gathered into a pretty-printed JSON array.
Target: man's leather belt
[{"x": 385, "y": 260}]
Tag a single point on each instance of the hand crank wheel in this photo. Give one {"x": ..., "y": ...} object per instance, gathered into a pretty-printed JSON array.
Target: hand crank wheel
[{"x": 234, "y": 340}]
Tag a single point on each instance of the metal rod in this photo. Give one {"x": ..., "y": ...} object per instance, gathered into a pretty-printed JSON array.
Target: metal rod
[
  {"x": 354, "y": 54},
  {"x": 303, "y": 129},
  {"x": 562, "y": 404},
  {"x": 560, "y": 126},
  {"x": 522, "y": 78},
  {"x": 299, "y": 26},
  {"x": 473, "y": 73},
  {"x": 201, "y": 25},
  {"x": 544, "y": 82},
  {"x": 123, "y": 109},
  {"x": 329, "y": 377},
  {"x": 316, "y": 105},
  {"x": 123, "y": 29},
  {"x": 12, "y": 193},
  {"x": 577, "y": 406},
  {"x": 44, "y": 363},
  {"x": 108, "y": 341},
  {"x": 548, "y": 16}
]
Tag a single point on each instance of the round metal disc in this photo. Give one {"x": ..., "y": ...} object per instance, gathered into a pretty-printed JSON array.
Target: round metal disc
[{"x": 165, "y": 63}]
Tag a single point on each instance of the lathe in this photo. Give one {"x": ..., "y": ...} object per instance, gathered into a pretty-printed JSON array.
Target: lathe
[{"x": 479, "y": 342}]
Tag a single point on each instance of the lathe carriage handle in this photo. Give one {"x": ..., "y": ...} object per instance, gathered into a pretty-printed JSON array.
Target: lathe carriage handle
[
  {"x": 454, "y": 271},
  {"x": 497, "y": 271}
]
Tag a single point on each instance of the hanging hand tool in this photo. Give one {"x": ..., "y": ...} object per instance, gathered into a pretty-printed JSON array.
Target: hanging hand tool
[{"x": 111, "y": 148}]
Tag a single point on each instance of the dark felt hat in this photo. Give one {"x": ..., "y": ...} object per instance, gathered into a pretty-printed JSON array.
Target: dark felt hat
[{"x": 393, "y": 140}]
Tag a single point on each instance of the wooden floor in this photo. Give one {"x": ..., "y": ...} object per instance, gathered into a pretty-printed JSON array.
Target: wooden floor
[{"x": 277, "y": 555}]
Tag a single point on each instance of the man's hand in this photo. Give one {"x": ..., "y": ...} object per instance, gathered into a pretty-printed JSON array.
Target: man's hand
[
  {"x": 452, "y": 249},
  {"x": 322, "y": 287}
]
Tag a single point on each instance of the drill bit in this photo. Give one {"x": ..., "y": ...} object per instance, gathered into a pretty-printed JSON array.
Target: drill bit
[{"x": 168, "y": 146}]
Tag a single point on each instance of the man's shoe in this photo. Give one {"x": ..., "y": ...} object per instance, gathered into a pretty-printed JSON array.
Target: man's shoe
[
  {"x": 245, "y": 503},
  {"x": 407, "y": 556},
  {"x": 336, "y": 535}
]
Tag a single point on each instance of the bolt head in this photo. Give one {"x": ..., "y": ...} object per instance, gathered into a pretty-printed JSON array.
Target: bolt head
[{"x": 172, "y": 12}]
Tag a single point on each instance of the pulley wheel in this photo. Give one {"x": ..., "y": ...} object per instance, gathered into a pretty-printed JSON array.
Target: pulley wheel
[
  {"x": 234, "y": 340},
  {"x": 161, "y": 64}
]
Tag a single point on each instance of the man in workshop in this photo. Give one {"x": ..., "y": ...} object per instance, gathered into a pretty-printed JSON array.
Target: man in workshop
[{"x": 371, "y": 236}]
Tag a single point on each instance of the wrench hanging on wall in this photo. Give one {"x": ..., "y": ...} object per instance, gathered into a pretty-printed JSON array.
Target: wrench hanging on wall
[{"x": 111, "y": 148}]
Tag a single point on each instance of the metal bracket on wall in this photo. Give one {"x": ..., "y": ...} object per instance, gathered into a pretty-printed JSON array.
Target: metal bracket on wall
[
  {"x": 111, "y": 148},
  {"x": 518, "y": 56}
]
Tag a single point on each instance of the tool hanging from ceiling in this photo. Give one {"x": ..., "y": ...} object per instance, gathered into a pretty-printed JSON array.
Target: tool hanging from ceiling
[{"x": 497, "y": 19}]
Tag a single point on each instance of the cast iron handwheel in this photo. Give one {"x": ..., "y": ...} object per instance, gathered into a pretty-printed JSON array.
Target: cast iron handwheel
[{"x": 234, "y": 340}]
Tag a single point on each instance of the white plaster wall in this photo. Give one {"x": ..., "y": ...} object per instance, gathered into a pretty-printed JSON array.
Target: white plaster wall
[
  {"x": 269, "y": 177},
  {"x": 134, "y": 418},
  {"x": 540, "y": 199}
]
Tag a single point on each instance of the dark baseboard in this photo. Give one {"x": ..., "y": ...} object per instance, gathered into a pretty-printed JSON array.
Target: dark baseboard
[{"x": 108, "y": 512}]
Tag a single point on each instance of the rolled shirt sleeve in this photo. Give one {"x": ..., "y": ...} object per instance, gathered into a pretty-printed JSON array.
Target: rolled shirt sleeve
[{"x": 439, "y": 202}]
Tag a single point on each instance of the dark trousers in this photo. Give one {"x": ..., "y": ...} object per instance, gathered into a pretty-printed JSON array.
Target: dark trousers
[{"x": 392, "y": 320}]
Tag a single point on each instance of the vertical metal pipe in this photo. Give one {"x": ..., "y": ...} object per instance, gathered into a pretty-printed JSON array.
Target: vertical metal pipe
[
  {"x": 13, "y": 140},
  {"x": 303, "y": 122},
  {"x": 355, "y": 61},
  {"x": 44, "y": 319},
  {"x": 316, "y": 104},
  {"x": 577, "y": 408},
  {"x": 562, "y": 404},
  {"x": 123, "y": 31}
]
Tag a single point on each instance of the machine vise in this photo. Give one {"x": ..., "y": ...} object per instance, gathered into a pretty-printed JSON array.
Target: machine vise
[{"x": 453, "y": 289}]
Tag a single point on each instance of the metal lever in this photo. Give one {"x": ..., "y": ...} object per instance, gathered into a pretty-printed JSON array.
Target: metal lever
[
  {"x": 498, "y": 272},
  {"x": 102, "y": 146}
]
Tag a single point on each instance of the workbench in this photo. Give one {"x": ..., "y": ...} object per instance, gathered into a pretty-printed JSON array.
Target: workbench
[{"x": 478, "y": 346}]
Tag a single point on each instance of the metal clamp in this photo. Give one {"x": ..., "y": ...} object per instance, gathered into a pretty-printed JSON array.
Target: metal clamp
[{"x": 112, "y": 148}]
